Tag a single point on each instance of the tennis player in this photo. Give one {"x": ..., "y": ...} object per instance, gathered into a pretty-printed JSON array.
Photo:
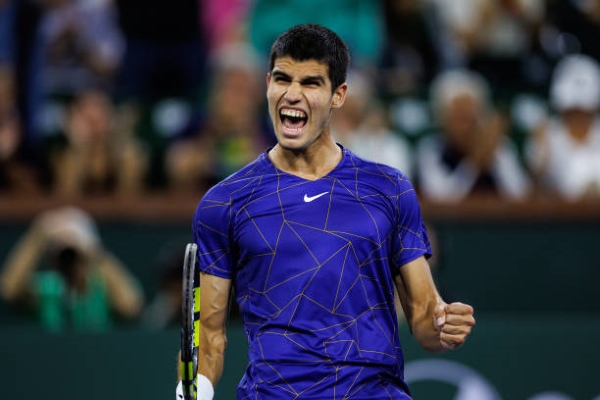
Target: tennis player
[{"x": 312, "y": 239}]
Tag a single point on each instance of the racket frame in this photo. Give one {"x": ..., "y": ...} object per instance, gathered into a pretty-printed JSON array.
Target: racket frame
[{"x": 190, "y": 322}]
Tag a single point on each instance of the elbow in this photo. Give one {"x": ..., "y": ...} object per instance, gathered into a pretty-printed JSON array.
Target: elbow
[
  {"x": 130, "y": 308},
  {"x": 131, "y": 312},
  {"x": 8, "y": 292},
  {"x": 7, "y": 295}
]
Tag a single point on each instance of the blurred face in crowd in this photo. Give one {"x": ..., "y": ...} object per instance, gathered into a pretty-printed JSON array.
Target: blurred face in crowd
[
  {"x": 301, "y": 99},
  {"x": 90, "y": 118},
  {"x": 579, "y": 122},
  {"x": 235, "y": 99},
  {"x": 461, "y": 119}
]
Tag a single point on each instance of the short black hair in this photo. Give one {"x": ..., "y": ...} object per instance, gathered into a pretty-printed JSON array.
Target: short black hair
[{"x": 313, "y": 42}]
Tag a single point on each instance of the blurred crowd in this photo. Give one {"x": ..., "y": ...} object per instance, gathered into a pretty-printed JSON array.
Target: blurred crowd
[
  {"x": 467, "y": 97},
  {"x": 125, "y": 98}
]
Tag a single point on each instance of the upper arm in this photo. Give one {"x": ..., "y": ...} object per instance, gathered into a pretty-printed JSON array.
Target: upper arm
[{"x": 211, "y": 231}]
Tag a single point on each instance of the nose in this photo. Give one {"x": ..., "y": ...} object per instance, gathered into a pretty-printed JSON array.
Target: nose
[{"x": 293, "y": 93}]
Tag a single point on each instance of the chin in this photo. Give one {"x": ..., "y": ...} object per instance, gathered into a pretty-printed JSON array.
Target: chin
[
  {"x": 287, "y": 141},
  {"x": 291, "y": 146}
]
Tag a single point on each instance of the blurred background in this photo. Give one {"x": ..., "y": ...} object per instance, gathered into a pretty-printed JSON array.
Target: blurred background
[{"x": 117, "y": 115}]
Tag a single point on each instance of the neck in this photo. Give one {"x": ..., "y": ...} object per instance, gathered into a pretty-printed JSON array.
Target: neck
[{"x": 311, "y": 163}]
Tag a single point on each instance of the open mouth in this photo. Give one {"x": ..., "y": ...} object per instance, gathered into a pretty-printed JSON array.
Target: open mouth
[{"x": 293, "y": 120}]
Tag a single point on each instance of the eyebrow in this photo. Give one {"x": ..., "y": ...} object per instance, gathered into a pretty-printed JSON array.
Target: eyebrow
[
  {"x": 306, "y": 79},
  {"x": 313, "y": 78}
]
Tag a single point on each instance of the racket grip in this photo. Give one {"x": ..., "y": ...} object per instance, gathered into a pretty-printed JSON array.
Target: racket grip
[
  {"x": 188, "y": 379},
  {"x": 202, "y": 388}
]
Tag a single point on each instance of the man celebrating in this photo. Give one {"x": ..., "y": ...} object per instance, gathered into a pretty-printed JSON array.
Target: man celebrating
[{"x": 313, "y": 240}]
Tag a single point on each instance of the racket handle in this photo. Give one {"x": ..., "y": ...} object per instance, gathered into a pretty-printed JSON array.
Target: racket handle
[{"x": 203, "y": 390}]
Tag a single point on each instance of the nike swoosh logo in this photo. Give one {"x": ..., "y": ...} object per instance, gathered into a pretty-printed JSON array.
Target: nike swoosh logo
[{"x": 308, "y": 199}]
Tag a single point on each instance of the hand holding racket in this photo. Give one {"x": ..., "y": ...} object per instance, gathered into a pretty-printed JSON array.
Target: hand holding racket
[
  {"x": 193, "y": 386},
  {"x": 190, "y": 323}
]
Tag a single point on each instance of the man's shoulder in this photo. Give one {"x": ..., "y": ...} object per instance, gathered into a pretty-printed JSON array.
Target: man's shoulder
[{"x": 369, "y": 169}]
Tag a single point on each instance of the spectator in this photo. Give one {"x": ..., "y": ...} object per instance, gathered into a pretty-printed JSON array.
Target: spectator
[
  {"x": 163, "y": 73},
  {"x": 100, "y": 155},
  {"x": 472, "y": 152},
  {"x": 564, "y": 153},
  {"x": 82, "y": 46},
  {"x": 493, "y": 37},
  {"x": 19, "y": 173},
  {"x": 57, "y": 47},
  {"x": 233, "y": 131},
  {"x": 362, "y": 125},
  {"x": 61, "y": 269},
  {"x": 20, "y": 49}
]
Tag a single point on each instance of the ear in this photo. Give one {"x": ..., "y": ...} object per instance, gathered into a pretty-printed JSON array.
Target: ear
[
  {"x": 339, "y": 96},
  {"x": 268, "y": 78}
]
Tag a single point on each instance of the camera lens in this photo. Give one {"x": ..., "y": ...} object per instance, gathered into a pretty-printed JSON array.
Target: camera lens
[{"x": 66, "y": 259}]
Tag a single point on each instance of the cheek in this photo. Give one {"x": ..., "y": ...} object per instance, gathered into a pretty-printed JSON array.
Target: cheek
[
  {"x": 270, "y": 95},
  {"x": 319, "y": 104},
  {"x": 273, "y": 96}
]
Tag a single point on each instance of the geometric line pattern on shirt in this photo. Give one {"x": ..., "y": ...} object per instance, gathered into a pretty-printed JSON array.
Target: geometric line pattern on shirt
[{"x": 315, "y": 282}]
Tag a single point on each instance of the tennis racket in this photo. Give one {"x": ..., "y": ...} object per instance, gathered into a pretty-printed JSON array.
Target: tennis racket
[{"x": 190, "y": 322}]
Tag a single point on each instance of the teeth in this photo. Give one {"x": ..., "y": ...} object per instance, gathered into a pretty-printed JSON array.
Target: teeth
[{"x": 293, "y": 113}]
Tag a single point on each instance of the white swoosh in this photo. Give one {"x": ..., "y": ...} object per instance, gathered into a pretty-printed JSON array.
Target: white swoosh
[{"x": 308, "y": 199}]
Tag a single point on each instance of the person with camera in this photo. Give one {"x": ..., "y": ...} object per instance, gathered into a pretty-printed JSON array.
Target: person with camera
[{"x": 60, "y": 269}]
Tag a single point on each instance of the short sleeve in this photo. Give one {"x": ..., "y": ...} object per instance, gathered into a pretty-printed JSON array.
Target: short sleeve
[
  {"x": 411, "y": 239},
  {"x": 211, "y": 232}
]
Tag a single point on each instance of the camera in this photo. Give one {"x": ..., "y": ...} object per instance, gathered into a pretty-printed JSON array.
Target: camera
[{"x": 66, "y": 260}]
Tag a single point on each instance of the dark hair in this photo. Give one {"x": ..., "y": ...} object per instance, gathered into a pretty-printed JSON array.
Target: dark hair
[{"x": 313, "y": 42}]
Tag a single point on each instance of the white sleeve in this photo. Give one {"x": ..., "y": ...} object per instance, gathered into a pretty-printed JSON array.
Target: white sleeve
[
  {"x": 436, "y": 180},
  {"x": 514, "y": 181}
]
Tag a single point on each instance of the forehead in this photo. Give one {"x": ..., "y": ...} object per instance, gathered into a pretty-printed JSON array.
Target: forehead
[
  {"x": 294, "y": 68},
  {"x": 463, "y": 100}
]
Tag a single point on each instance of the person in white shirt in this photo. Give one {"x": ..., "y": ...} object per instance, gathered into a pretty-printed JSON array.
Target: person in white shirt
[
  {"x": 363, "y": 126},
  {"x": 471, "y": 153},
  {"x": 564, "y": 152}
]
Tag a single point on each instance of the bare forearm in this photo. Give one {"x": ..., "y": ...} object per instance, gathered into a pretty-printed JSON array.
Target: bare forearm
[
  {"x": 212, "y": 356},
  {"x": 20, "y": 264},
  {"x": 424, "y": 330},
  {"x": 125, "y": 292},
  {"x": 435, "y": 325},
  {"x": 214, "y": 300}
]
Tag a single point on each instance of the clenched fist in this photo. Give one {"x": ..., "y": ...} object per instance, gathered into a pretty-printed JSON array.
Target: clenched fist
[{"x": 454, "y": 322}]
